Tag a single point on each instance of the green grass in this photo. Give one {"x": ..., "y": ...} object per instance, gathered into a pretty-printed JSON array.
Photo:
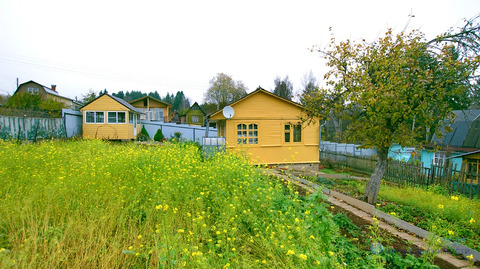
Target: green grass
[
  {"x": 95, "y": 204},
  {"x": 454, "y": 217}
]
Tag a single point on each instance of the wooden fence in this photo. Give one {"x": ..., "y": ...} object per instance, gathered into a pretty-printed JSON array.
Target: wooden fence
[{"x": 452, "y": 178}]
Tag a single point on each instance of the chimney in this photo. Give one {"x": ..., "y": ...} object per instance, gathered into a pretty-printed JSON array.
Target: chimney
[{"x": 54, "y": 87}]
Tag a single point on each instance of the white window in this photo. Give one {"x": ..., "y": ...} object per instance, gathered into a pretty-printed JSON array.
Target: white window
[
  {"x": 116, "y": 117},
  {"x": 150, "y": 114},
  {"x": 94, "y": 117},
  {"x": 195, "y": 119},
  {"x": 32, "y": 90},
  {"x": 439, "y": 158},
  {"x": 158, "y": 114}
]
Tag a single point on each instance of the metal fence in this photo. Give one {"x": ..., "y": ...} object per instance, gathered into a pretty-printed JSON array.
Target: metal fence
[
  {"x": 452, "y": 178},
  {"x": 189, "y": 132},
  {"x": 31, "y": 128}
]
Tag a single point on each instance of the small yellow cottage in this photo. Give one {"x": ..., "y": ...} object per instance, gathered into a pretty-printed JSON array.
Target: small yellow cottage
[
  {"x": 269, "y": 129},
  {"x": 153, "y": 109},
  {"x": 110, "y": 117}
]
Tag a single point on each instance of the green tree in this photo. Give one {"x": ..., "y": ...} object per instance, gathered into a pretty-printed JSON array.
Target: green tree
[
  {"x": 88, "y": 97},
  {"x": 394, "y": 90},
  {"x": 465, "y": 42},
  {"x": 180, "y": 102},
  {"x": 283, "y": 87},
  {"x": 159, "y": 136},
  {"x": 119, "y": 94},
  {"x": 224, "y": 90},
  {"x": 24, "y": 101},
  {"x": 309, "y": 85}
]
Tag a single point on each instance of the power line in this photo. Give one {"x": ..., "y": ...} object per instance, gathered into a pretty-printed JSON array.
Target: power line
[{"x": 85, "y": 71}]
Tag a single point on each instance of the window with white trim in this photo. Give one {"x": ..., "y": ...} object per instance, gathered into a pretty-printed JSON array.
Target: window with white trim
[
  {"x": 94, "y": 117},
  {"x": 195, "y": 119},
  {"x": 247, "y": 135},
  {"x": 439, "y": 158},
  {"x": 32, "y": 90},
  {"x": 116, "y": 117}
]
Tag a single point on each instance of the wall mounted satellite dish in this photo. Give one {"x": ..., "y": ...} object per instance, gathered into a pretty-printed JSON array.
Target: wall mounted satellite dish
[{"x": 228, "y": 112}]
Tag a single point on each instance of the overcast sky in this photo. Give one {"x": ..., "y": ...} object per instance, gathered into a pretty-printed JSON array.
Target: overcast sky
[{"x": 169, "y": 46}]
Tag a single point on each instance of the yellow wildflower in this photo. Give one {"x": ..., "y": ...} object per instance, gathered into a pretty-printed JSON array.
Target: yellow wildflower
[
  {"x": 441, "y": 206},
  {"x": 180, "y": 231},
  {"x": 451, "y": 232},
  {"x": 290, "y": 252},
  {"x": 303, "y": 257},
  {"x": 454, "y": 198},
  {"x": 472, "y": 221}
]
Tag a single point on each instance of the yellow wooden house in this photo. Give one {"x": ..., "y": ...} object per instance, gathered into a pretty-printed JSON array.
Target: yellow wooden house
[
  {"x": 110, "y": 117},
  {"x": 152, "y": 108},
  {"x": 269, "y": 130}
]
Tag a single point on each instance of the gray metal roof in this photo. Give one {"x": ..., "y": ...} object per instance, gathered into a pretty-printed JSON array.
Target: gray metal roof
[
  {"x": 123, "y": 102},
  {"x": 462, "y": 134}
]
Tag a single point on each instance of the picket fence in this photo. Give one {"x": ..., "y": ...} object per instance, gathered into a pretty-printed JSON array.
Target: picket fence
[{"x": 452, "y": 178}]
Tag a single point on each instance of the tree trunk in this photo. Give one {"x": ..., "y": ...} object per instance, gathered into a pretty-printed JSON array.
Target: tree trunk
[{"x": 373, "y": 186}]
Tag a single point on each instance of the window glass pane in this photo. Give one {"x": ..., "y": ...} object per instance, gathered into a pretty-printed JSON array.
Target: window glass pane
[
  {"x": 287, "y": 127},
  {"x": 239, "y": 127},
  {"x": 100, "y": 117},
  {"x": 297, "y": 133},
  {"x": 89, "y": 117},
  {"x": 287, "y": 137},
  {"x": 112, "y": 117},
  {"x": 121, "y": 117},
  {"x": 130, "y": 117}
]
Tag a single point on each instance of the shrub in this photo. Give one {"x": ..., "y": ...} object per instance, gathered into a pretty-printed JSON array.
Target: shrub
[
  {"x": 143, "y": 135},
  {"x": 159, "y": 135}
]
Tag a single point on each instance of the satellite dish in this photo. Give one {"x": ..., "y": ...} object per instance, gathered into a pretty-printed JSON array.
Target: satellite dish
[{"x": 228, "y": 112}]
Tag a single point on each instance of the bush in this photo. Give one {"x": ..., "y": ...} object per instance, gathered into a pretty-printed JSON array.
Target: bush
[
  {"x": 143, "y": 135},
  {"x": 159, "y": 136}
]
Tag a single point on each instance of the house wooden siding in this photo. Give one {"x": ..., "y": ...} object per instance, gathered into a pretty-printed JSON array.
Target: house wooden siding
[
  {"x": 195, "y": 111},
  {"x": 270, "y": 113},
  {"x": 44, "y": 94},
  {"x": 146, "y": 103},
  {"x": 105, "y": 130}
]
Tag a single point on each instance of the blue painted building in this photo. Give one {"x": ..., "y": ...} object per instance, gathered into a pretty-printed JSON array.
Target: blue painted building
[{"x": 464, "y": 138}]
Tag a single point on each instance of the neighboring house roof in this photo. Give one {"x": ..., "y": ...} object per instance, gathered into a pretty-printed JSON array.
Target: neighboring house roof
[
  {"x": 157, "y": 100},
  {"x": 258, "y": 90},
  {"x": 48, "y": 90},
  {"x": 120, "y": 100},
  {"x": 464, "y": 154},
  {"x": 195, "y": 104},
  {"x": 462, "y": 134}
]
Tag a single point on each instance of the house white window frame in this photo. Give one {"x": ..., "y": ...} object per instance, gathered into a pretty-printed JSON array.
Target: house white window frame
[
  {"x": 195, "y": 118},
  {"x": 94, "y": 117},
  {"x": 116, "y": 117},
  {"x": 158, "y": 112},
  {"x": 439, "y": 156},
  {"x": 33, "y": 90}
]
